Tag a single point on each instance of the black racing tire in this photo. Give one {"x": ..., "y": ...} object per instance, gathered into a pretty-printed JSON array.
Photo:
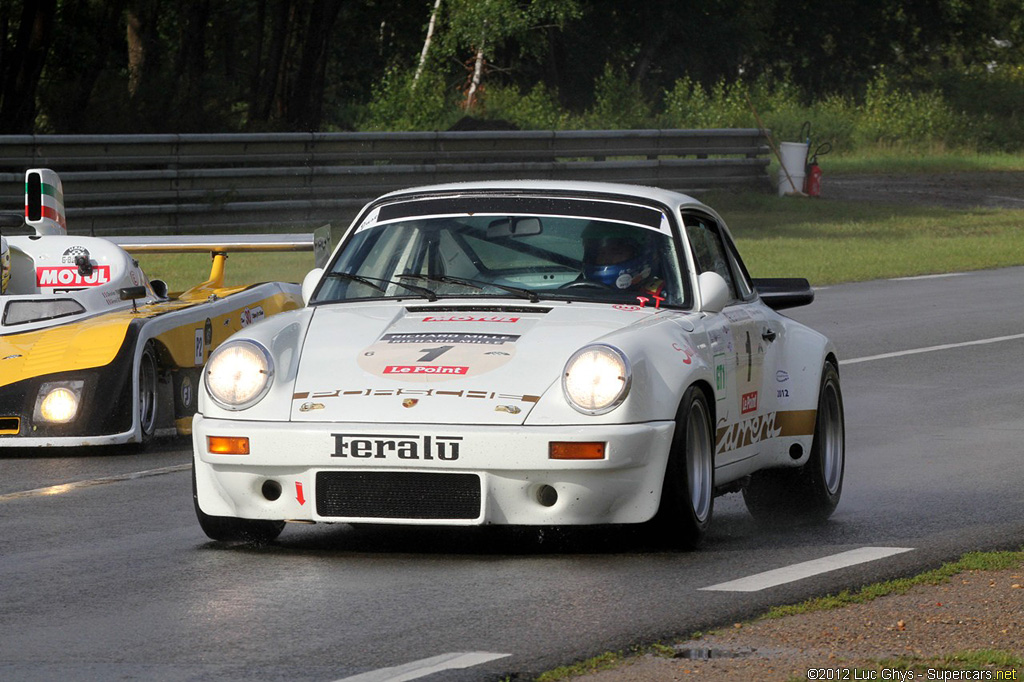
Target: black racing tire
[
  {"x": 688, "y": 490},
  {"x": 810, "y": 493},
  {"x": 148, "y": 407},
  {"x": 231, "y": 529}
]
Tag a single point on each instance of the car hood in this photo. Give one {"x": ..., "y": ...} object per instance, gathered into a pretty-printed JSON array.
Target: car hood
[{"x": 432, "y": 364}]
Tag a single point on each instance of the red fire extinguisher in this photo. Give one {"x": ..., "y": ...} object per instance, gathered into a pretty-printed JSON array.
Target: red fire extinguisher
[{"x": 812, "y": 177}]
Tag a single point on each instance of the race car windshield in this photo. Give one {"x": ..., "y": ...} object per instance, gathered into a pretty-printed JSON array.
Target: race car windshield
[{"x": 615, "y": 253}]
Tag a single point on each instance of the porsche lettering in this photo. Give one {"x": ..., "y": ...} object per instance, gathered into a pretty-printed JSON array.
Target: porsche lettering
[{"x": 372, "y": 446}]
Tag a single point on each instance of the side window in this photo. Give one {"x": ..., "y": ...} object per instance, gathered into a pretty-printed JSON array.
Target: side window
[{"x": 709, "y": 251}]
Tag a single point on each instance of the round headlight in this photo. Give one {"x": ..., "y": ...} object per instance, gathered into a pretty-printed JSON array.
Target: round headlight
[
  {"x": 239, "y": 374},
  {"x": 596, "y": 379},
  {"x": 58, "y": 403}
]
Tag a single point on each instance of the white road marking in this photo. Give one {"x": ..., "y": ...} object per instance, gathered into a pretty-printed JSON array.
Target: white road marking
[
  {"x": 996, "y": 196},
  {"x": 931, "y": 349},
  {"x": 67, "y": 487},
  {"x": 806, "y": 569},
  {"x": 426, "y": 666},
  {"x": 917, "y": 277}
]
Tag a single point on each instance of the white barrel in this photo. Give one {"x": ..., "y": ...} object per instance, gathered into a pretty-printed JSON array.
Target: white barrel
[{"x": 794, "y": 164}]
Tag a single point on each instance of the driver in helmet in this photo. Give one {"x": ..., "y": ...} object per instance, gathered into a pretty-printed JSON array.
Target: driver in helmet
[
  {"x": 5, "y": 264},
  {"x": 621, "y": 257}
]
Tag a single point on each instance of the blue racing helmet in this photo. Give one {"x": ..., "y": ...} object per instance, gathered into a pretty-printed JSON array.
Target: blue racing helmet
[{"x": 616, "y": 255}]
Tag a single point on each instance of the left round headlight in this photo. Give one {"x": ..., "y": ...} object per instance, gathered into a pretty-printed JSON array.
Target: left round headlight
[
  {"x": 596, "y": 379},
  {"x": 238, "y": 374}
]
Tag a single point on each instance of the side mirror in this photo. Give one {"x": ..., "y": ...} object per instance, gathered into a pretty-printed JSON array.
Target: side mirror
[
  {"x": 309, "y": 283},
  {"x": 714, "y": 292},
  {"x": 785, "y": 292}
]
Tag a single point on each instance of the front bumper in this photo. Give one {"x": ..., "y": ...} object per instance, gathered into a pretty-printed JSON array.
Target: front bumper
[{"x": 437, "y": 475}]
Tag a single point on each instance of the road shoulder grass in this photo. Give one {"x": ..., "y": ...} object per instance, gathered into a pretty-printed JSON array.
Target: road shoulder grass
[{"x": 963, "y": 616}]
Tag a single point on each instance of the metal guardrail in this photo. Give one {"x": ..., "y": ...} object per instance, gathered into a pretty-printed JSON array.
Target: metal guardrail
[{"x": 192, "y": 184}]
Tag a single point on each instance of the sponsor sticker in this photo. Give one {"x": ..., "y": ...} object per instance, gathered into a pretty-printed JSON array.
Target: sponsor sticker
[
  {"x": 748, "y": 402},
  {"x": 425, "y": 369},
  {"x": 253, "y": 314},
  {"x": 471, "y": 318},
  {"x": 373, "y": 446},
  {"x": 437, "y": 356},
  {"x": 64, "y": 276}
]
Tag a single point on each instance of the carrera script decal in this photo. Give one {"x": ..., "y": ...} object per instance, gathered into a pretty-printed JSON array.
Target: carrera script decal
[
  {"x": 437, "y": 356},
  {"x": 762, "y": 427},
  {"x": 65, "y": 276}
]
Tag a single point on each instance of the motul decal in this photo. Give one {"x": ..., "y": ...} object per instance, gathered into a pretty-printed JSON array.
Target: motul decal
[
  {"x": 68, "y": 276},
  {"x": 471, "y": 318}
]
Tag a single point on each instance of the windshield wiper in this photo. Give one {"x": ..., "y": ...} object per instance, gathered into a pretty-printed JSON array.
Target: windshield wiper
[
  {"x": 477, "y": 284},
  {"x": 372, "y": 283}
]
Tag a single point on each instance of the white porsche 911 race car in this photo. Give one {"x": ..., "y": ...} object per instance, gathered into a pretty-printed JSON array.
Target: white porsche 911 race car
[
  {"x": 523, "y": 352},
  {"x": 91, "y": 351}
]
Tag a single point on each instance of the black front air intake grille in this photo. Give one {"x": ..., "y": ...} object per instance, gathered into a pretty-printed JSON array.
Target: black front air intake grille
[{"x": 397, "y": 495}]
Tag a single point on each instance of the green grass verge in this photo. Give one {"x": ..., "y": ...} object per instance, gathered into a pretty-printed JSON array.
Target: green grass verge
[
  {"x": 973, "y": 561},
  {"x": 182, "y": 271},
  {"x": 838, "y": 241}
]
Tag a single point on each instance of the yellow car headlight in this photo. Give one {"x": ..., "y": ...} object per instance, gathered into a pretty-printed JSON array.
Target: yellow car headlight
[
  {"x": 58, "y": 401},
  {"x": 596, "y": 379},
  {"x": 239, "y": 374}
]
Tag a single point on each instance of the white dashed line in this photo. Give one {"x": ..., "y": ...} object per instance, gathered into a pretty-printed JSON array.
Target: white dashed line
[
  {"x": 426, "y": 666},
  {"x": 788, "y": 574},
  {"x": 931, "y": 349}
]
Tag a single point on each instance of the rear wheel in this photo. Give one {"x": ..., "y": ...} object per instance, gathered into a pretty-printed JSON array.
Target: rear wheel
[
  {"x": 811, "y": 492},
  {"x": 229, "y": 528},
  {"x": 687, "y": 497}
]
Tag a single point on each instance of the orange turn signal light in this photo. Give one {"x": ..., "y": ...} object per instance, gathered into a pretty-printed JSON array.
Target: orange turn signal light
[
  {"x": 227, "y": 445},
  {"x": 567, "y": 450}
]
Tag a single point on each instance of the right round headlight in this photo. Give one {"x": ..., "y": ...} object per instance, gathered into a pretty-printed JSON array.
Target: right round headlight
[
  {"x": 238, "y": 374},
  {"x": 596, "y": 379}
]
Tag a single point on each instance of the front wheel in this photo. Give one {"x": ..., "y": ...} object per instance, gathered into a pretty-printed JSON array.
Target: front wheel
[
  {"x": 811, "y": 492},
  {"x": 231, "y": 529},
  {"x": 687, "y": 496},
  {"x": 148, "y": 407}
]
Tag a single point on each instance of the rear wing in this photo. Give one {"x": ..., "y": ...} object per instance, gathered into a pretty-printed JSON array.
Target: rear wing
[
  {"x": 318, "y": 241},
  {"x": 219, "y": 246}
]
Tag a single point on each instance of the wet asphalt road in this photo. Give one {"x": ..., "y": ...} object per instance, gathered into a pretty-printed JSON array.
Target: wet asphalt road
[{"x": 111, "y": 578}]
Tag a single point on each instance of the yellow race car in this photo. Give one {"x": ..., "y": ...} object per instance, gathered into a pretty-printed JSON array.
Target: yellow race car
[{"x": 91, "y": 350}]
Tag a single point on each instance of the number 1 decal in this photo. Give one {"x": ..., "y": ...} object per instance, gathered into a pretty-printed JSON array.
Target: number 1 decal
[{"x": 434, "y": 353}]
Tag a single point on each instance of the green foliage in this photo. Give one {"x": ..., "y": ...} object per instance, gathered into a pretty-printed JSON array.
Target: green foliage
[
  {"x": 618, "y": 103},
  {"x": 538, "y": 109},
  {"x": 401, "y": 102}
]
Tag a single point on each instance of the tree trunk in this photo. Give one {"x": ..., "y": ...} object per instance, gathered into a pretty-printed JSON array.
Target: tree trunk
[
  {"x": 305, "y": 105},
  {"x": 476, "y": 79},
  {"x": 427, "y": 41},
  {"x": 24, "y": 66}
]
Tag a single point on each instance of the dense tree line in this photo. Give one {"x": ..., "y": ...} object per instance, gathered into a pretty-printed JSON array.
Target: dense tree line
[{"x": 125, "y": 66}]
